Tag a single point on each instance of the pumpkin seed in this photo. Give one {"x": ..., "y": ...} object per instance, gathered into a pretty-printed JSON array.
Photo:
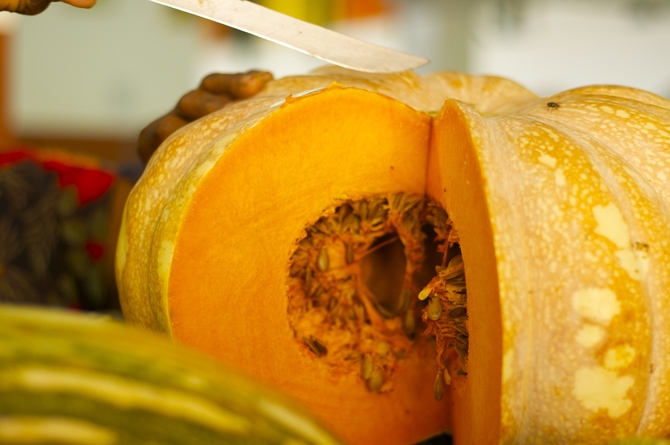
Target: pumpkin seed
[
  {"x": 334, "y": 226},
  {"x": 363, "y": 209},
  {"x": 354, "y": 225},
  {"x": 376, "y": 380},
  {"x": 382, "y": 348},
  {"x": 322, "y": 261},
  {"x": 397, "y": 201},
  {"x": 379, "y": 220},
  {"x": 409, "y": 222},
  {"x": 321, "y": 226},
  {"x": 461, "y": 329},
  {"x": 308, "y": 279},
  {"x": 367, "y": 366},
  {"x": 350, "y": 252},
  {"x": 454, "y": 270},
  {"x": 315, "y": 345},
  {"x": 447, "y": 377},
  {"x": 458, "y": 312},
  {"x": 376, "y": 209},
  {"x": 425, "y": 293},
  {"x": 455, "y": 261},
  {"x": 434, "y": 309}
]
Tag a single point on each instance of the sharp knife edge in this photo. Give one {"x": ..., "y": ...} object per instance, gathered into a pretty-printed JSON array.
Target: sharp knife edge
[{"x": 308, "y": 38}]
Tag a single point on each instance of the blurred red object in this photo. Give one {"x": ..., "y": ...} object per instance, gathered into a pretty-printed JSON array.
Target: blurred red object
[{"x": 58, "y": 228}]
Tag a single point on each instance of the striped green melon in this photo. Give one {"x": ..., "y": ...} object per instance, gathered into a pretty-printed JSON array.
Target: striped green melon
[{"x": 67, "y": 378}]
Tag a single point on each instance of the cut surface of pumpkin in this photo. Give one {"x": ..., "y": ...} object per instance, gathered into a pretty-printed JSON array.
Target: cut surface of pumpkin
[{"x": 402, "y": 271}]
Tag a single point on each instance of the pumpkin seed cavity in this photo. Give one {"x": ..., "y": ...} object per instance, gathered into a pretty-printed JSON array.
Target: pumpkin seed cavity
[
  {"x": 354, "y": 280},
  {"x": 446, "y": 313}
]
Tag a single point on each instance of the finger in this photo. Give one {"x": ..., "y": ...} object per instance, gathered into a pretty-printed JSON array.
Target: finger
[
  {"x": 239, "y": 86},
  {"x": 216, "y": 83},
  {"x": 245, "y": 85},
  {"x": 199, "y": 103},
  {"x": 80, "y": 3},
  {"x": 148, "y": 141},
  {"x": 29, "y": 7},
  {"x": 153, "y": 135},
  {"x": 168, "y": 125}
]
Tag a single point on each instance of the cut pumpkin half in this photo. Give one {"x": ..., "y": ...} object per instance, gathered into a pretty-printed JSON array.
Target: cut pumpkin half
[{"x": 406, "y": 255}]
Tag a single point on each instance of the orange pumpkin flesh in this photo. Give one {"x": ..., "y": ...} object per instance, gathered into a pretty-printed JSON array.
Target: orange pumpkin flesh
[
  {"x": 283, "y": 183},
  {"x": 208, "y": 234},
  {"x": 295, "y": 188},
  {"x": 455, "y": 180}
]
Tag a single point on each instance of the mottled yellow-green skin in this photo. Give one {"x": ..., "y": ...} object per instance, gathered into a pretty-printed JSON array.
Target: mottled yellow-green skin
[{"x": 72, "y": 378}]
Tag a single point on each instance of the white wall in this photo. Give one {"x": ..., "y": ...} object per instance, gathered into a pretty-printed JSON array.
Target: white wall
[
  {"x": 107, "y": 71},
  {"x": 111, "y": 70},
  {"x": 556, "y": 45}
]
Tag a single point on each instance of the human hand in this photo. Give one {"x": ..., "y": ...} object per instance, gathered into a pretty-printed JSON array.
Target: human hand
[
  {"x": 215, "y": 92},
  {"x": 32, "y": 7}
]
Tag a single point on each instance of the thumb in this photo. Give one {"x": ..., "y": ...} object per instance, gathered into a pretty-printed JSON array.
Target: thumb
[{"x": 80, "y": 3}]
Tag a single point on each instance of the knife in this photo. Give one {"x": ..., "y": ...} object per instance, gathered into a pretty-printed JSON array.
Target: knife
[{"x": 314, "y": 40}]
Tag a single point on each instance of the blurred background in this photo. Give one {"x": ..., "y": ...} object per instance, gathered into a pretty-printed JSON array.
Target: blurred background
[
  {"x": 101, "y": 75},
  {"x": 79, "y": 85}
]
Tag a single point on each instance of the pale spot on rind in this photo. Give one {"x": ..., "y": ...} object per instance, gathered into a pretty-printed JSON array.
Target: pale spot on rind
[
  {"x": 552, "y": 135},
  {"x": 611, "y": 225},
  {"x": 635, "y": 263},
  {"x": 601, "y": 389},
  {"x": 547, "y": 160},
  {"x": 622, "y": 113},
  {"x": 590, "y": 335},
  {"x": 560, "y": 177},
  {"x": 619, "y": 357},
  {"x": 595, "y": 304}
]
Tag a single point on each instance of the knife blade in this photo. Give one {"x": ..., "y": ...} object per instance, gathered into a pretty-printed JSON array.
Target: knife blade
[{"x": 305, "y": 37}]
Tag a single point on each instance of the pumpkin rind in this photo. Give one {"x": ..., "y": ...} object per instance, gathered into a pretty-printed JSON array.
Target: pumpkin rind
[
  {"x": 82, "y": 379},
  {"x": 579, "y": 221}
]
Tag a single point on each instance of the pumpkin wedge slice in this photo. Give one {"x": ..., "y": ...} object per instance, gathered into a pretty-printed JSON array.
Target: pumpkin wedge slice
[{"x": 563, "y": 216}]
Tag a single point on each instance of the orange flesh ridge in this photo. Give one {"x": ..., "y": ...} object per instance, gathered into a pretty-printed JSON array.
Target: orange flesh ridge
[
  {"x": 455, "y": 182},
  {"x": 274, "y": 186}
]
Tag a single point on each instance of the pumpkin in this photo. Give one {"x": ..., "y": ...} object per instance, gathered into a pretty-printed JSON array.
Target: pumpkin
[
  {"x": 75, "y": 378},
  {"x": 71, "y": 378},
  {"x": 370, "y": 243}
]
